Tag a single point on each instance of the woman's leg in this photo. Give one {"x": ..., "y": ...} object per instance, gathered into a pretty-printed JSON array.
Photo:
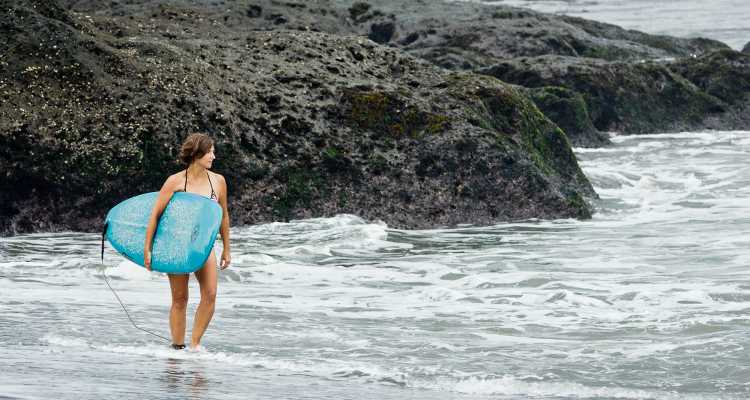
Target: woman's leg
[
  {"x": 179, "y": 285},
  {"x": 207, "y": 278}
]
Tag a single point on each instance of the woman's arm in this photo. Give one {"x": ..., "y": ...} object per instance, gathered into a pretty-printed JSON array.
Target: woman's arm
[
  {"x": 171, "y": 186},
  {"x": 226, "y": 258}
]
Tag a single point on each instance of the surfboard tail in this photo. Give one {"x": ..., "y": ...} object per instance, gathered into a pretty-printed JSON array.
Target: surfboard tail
[{"x": 104, "y": 236}]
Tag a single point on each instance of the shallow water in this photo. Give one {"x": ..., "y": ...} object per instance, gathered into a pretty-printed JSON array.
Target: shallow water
[
  {"x": 725, "y": 20},
  {"x": 648, "y": 300}
]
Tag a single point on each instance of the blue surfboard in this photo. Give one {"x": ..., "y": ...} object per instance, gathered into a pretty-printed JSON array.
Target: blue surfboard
[{"x": 184, "y": 237}]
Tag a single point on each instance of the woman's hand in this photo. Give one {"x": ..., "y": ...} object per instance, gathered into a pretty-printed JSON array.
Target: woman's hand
[
  {"x": 171, "y": 186},
  {"x": 225, "y": 259},
  {"x": 147, "y": 259}
]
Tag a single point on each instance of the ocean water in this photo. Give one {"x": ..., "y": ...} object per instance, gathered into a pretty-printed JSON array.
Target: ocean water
[
  {"x": 725, "y": 20},
  {"x": 650, "y": 299}
]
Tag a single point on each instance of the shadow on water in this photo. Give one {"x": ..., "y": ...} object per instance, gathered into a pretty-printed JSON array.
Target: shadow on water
[{"x": 186, "y": 378}]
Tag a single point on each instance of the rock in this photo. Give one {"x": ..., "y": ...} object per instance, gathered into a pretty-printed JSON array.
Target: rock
[
  {"x": 567, "y": 109},
  {"x": 724, "y": 74},
  {"x": 240, "y": 16},
  {"x": 460, "y": 35},
  {"x": 629, "y": 98},
  {"x": 382, "y": 32},
  {"x": 474, "y": 36},
  {"x": 306, "y": 125},
  {"x": 456, "y": 35},
  {"x": 746, "y": 49},
  {"x": 46, "y": 8}
]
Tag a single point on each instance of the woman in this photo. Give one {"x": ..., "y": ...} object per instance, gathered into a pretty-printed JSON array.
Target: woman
[{"x": 198, "y": 154}]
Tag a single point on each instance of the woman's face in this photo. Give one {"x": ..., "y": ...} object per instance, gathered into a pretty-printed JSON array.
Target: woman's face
[{"x": 207, "y": 159}]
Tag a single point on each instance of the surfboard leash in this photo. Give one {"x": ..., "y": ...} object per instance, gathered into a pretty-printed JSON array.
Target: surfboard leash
[{"x": 104, "y": 234}]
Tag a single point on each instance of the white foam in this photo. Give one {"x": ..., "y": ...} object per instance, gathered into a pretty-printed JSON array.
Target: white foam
[
  {"x": 131, "y": 271},
  {"x": 55, "y": 339},
  {"x": 440, "y": 294},
  {"x": 510, "y": 386}
]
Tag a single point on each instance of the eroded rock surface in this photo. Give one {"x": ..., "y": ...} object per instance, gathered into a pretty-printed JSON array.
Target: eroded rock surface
[
  {"x": 473, "y": 36},
  {"x": 307, "y": 124},
  {"x": 620, "y": 96},
  {"x": 725, "y": 75}
]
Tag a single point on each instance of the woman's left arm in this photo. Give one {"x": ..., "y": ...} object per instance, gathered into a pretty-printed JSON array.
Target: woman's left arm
[{"x": 226, "y": 258}]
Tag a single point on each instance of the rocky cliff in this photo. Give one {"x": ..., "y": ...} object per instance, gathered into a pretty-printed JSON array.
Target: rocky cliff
[
  {"x": 487, "y": 38},
  {"x": 307, "y": 124}
]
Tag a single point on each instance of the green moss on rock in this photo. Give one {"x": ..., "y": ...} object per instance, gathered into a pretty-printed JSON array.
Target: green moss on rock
[
  {"x": 515, "y": 123},
  {"x": 301, "y": 186},
  {"x": 567, "y": 109},
  {"x": 390, "y": 115},
  {"x": 724, "y": 74},
  {"x": 619, "y": 96}
]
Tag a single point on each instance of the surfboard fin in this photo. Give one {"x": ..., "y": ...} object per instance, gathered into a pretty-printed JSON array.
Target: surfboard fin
[{"x": 104, "y": 235}]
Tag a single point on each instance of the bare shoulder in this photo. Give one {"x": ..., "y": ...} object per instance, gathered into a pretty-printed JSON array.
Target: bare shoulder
[
  {"x": 175, "y": 181},
  {"x": 218, "y": 177}
]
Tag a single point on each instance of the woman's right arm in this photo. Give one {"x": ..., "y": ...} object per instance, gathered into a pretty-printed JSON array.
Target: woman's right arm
[{"x": 171, "y": 186}]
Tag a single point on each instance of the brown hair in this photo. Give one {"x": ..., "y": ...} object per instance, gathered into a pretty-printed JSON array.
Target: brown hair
[{"x": 195, "y": 147}]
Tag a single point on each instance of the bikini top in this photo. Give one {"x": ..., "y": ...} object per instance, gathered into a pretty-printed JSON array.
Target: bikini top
[{"x": 213, "y": 194}]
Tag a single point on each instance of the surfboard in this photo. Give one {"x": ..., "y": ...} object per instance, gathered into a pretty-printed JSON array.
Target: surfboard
[{"x": 184, "y": 237}]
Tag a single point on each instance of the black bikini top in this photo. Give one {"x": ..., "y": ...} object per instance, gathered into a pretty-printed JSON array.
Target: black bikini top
[{"x": 213, "y": 194}]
